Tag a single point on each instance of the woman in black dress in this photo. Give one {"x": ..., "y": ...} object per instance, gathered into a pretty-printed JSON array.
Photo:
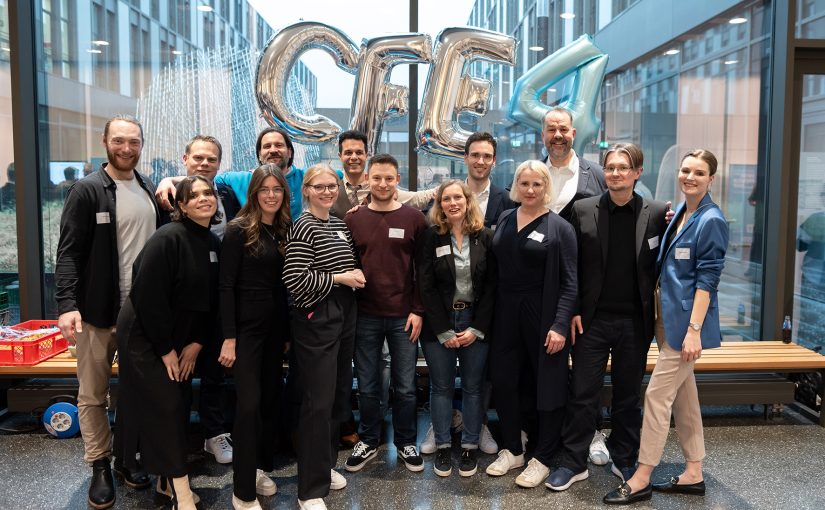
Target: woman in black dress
[
  {"x": 255, "y": 327},
  {"x": 169, "y": 314},
  {"x": 535, "y": 299}
]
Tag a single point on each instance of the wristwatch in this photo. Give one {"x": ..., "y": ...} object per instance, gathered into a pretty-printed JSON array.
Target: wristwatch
[{"x": 695, "y": 326}]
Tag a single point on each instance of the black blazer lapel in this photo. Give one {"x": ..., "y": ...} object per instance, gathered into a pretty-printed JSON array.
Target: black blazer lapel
[{"x": 447, "y": 240}]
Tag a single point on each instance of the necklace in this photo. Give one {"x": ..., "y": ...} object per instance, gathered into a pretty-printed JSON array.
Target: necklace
[{"x": 271, "y": 234}]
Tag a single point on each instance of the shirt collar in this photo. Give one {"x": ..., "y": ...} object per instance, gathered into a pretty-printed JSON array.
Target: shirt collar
[
  {"x": 485, "y": 191},
  {"x": 571, "y": 168},
  {"x": 611, "y": 206}
]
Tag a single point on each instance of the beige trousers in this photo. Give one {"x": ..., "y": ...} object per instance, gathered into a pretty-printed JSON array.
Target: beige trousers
[
  {"x": 672, "y": 389},
  {"x": 95, "y": 351}
]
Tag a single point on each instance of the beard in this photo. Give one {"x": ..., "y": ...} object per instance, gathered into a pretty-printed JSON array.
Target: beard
[{"x": 114, "y": 161}]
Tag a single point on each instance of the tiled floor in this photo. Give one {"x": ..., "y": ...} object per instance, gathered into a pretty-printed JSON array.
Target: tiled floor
[{"x": 751, "y": 464}]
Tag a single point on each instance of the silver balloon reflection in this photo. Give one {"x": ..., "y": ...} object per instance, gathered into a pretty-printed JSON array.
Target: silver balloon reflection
[
  {"x": 581, "y": 57},
  {"x": 375, "y": 99},
  {"x": 451, "y": 91},
  {"x": 275, "y": 64}
]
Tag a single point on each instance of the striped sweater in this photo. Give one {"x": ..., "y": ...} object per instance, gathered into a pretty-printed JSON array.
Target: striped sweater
[{"x": 315, "y": 251}]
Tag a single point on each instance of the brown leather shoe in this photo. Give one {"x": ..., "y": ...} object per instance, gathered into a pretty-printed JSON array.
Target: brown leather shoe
[{"x": 350, "y": 440}]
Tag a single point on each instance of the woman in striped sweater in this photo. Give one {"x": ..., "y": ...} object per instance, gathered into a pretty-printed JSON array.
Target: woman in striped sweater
[{"x": 320, "y": 273}]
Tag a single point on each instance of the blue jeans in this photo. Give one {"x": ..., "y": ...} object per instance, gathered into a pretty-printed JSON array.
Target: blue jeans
[
  {"x": 472, "y": 364},
  {"x": 370, "y": 333}
]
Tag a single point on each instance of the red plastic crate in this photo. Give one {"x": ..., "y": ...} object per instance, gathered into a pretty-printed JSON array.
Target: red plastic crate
[{"x": 32, "y": 352}]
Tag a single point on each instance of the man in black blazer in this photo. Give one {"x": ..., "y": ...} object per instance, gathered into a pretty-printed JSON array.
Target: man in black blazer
[
  {"x": 573, "y": 177},
  {"x": 480, "y": 157},
  {"x": 618, "y": 234}
]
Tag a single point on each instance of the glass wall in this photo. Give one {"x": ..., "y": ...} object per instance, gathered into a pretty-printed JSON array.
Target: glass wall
[
  {"x": 810, "y": 19},
  {"x": 9, "y": 285}
]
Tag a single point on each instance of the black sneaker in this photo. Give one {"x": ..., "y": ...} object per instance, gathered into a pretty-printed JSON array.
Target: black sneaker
[
  {"x": 468, "y": 465},
  {"x": 443, "y": 464},
  {"x": 413, "y": 461},
  {"x": 359, "y": 456}
]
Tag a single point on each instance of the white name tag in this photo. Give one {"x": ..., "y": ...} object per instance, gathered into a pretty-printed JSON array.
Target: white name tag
[
  {"x": 102, "y": 217},
  {"x": 493, "y": 228},
  {"x": 682, "y": 253},
  {"x": 342, "y": 235},
  {"x": 536, "y": 236},
  {"x": 653, "y": 242},
  {"x": 442, "y": 250},
  {"x": 213, "y": 257},
  {"x": 396, "y": 233}
]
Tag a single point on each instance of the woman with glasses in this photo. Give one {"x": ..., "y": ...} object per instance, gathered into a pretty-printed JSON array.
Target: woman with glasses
[
  {"x": 321, "y": 274},
  {"x": 456, "y": 279},
  {"x": 171, "y": 310},
  {"x": 690, "y": 263},
  {"x": 535, "y": 299},
  {"x": 255, "y": 326}
]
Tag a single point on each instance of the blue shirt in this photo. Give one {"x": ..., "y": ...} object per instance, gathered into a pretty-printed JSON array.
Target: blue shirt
[{"x": 239, "y": 182}]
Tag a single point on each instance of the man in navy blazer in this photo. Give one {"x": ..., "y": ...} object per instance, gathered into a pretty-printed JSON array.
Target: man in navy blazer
[
  {"x": 619, "y": 234},
  {"x": 573, "y": 177},
  {"x": 480, "y": 157}
]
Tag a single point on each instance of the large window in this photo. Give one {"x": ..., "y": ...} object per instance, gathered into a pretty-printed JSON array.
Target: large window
[{"x": 9, "y": 284}]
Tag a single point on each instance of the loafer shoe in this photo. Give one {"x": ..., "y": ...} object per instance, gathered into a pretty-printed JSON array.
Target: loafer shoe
[
  {"x": 624, "y": 496},
  {"x": 562, "y": 478},
  {"x": 102, "y": 488},
  {"x": 673, "y": 486},
  {"x": 136, "y": 479}
]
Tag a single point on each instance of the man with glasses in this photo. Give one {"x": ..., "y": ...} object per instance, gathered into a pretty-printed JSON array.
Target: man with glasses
[
  {"x": 618, "y": 233},
  {"x": 385, "y": 233},
  {"x": 480, "y": 158}
]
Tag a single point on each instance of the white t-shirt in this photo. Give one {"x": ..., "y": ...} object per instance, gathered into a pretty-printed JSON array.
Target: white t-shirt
[
  {"x": 136, "y": 222},
  {"x": 565, "y": 182}
]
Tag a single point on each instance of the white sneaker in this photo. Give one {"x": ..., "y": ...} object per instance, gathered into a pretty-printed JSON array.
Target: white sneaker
[
  {"x": 239, "y": 504},
  {"x": 337, "y": 480},
  {"x": 457, "y": 423},
  {"x": 220, "y": 447},
  {"x": 312, "y": 504},
  {"x": 486, "y": 443},
  {"x": 264, "y": 484},
  {"x": 533, "y": 475},
  {"x": 599, "y": 455},
  {"x": 523, "y": 441},
  {"x": 504, "y": 463},
  {"x": 428, "y": 445}
]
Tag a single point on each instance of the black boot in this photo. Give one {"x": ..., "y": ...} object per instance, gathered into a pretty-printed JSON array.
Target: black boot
[
  {"x": 102, "y": 488},
  {"x": 134, "y": 478}
]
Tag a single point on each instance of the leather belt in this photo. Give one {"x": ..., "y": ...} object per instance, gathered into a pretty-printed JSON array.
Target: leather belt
[{"x": 461, "y": 305}]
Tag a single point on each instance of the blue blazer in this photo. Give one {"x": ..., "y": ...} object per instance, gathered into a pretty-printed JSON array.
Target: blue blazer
[{"x": 693, "y": 260}]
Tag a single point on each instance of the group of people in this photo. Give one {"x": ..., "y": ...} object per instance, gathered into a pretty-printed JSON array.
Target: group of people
[{"x": 339, "y": 266}]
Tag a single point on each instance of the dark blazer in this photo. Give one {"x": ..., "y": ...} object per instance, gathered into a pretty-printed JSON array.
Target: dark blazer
[
  {"x": 436, "y": 281},
  {"x": 230, "y": 202},
  {"x": 591, "y": 221},
  {"x": 591, "y": 184},
  {"x": 498, "y": 202}
]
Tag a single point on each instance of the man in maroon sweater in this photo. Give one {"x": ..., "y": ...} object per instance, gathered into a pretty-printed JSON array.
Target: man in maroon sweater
[{"x": 385, "y": 233}]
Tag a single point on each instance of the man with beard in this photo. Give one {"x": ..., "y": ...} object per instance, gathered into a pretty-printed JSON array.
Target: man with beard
[{"x": 107, "y": 218}]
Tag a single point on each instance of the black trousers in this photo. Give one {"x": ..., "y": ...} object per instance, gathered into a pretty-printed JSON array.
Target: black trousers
[
  {"x": 323, "y": 340},
  {"x": 262, "y": 330},
  {"x": 514, "y": 355},
  {"x": 623, "y": 338},
  {"x": 212, "y": 390}
]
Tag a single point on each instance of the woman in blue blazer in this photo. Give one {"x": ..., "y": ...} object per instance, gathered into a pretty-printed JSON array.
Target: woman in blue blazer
[
  {"x": 690, "y": 262},
  {"x": 456, "y": 279}
]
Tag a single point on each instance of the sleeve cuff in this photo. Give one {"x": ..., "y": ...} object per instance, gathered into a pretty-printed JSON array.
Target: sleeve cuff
[
  {"x": 477, "y": 333},
  {"x": 443, "y": 337}
]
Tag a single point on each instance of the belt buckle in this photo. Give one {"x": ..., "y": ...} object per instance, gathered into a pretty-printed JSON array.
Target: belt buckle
[{"x": 460, "y": 305}]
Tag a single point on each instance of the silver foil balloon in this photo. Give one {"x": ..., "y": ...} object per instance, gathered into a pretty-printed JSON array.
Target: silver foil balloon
[
  {"x": 581, "y": 57},
  {"x": 272, "y": 77},
  {"x": 375, "y": 99},
  {"x": 451, "y": 91}
]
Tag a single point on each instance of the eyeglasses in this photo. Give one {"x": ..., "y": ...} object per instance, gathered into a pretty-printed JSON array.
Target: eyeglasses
[
  {"x": 475, "y": 156},
  {"x": 320, "y": 188},
  {"x": 623, "y": 170},
  {"x": 277, "y": 190}
]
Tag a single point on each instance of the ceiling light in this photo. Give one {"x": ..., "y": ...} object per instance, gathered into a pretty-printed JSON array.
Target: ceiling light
[
  {"x": 205, "y": 8},
  {"x": 94, "y": 51},
  {"x": 100, "y": 43},
  {"x": 6, "y": 49},
  {"x": 177, "y": 52},
  {"x": 551, "y": 90},
  {"x": 536, "y": 48},
  {"x": 672, "y": 52},
  {"x": 567, "y": 15},
  {"x": 738, "y": 20},
  {"x": 731, "y": 62}
]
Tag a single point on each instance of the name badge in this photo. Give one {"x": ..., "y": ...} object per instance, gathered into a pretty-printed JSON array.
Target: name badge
[
  {"x": 493, "y": 228},
  {"x": 396, "y": 233},
  {"x": 682, "y": 253},
  {"x": 536, "y": 236},
  {"x": 442, "y": 250},
  {"x": 342, "y": 235},
  {"x": 102, "y": 217},
  {"x": 653, "y": 242},
  {"x": 213, "y": 257}
]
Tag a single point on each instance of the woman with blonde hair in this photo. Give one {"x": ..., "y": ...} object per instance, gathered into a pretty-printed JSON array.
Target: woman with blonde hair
[
  {"x": 321, "y": 275},
  {"x": 456, "y": 278},
  {"x": 536, "y": 296}
]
